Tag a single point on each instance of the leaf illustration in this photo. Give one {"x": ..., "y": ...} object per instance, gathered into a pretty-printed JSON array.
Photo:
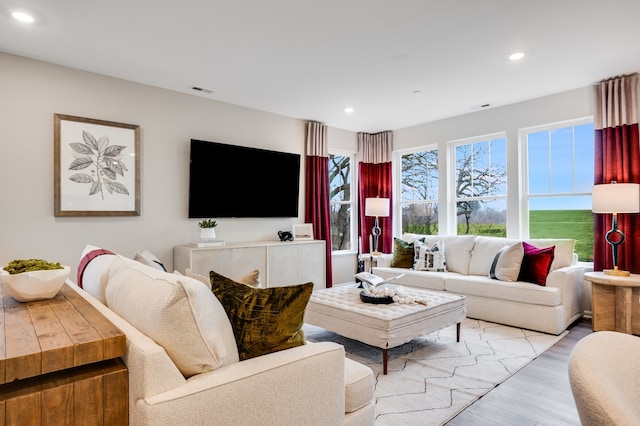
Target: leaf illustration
[
  {"x": 114, "y": 150},
  {"x": 81, "y": 178},
  {"x": 108, "y": 172},
  {"x": 107, "y": 161},
  {"x": 114, "y": 165},
  {"x": 80, "y": 163},
  {"x": 102, "y": 144},
  {"x": 81, "y": 148},
  {"x": 90, "y": 140},
  {"x": 95, "y": 187},
  {"x": 117, "y": 187}
]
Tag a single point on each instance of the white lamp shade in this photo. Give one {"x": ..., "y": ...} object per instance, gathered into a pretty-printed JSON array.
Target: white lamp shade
[
  {"x": 616, "y": 198},
  {"x": 376, "y": 207}
]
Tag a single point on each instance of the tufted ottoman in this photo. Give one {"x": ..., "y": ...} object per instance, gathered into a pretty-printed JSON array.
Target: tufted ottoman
[{"x": 339, "y": 309}]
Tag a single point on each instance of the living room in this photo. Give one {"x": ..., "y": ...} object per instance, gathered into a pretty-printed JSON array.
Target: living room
[{"x": 33, "y": 91}]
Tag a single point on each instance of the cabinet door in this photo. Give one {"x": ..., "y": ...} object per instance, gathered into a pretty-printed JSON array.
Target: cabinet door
[
  {"x": 232, "y": 262},
  {"x": 296, "y": 263},
  {"x": 312, "y": 263}
]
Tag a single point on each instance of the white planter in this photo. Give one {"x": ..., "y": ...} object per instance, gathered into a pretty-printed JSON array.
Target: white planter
[{"x": 207, "y": 234}]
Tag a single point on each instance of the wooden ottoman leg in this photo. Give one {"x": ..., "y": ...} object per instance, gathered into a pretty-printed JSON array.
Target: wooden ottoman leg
[
  {"x": 458, "y": 332},
  {"x": 385, "y": 359}
]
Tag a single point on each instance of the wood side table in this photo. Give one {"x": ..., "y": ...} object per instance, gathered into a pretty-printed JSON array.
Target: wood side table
[
  {"x": 615, "y": 302},
  {"x": 60, "y": 363}
]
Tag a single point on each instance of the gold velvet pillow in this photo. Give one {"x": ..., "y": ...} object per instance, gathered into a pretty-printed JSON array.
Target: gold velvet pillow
[
  {"x": 264, "y": 320},
  {"x": 403, "y": 254}
]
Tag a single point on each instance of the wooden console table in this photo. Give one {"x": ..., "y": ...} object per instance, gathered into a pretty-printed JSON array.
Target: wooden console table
[
  {"x": 60, "y": 363},
  {"x": 615, "y": 302}
]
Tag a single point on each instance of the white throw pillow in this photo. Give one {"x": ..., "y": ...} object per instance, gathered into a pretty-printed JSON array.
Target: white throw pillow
[
  {"x": 177, "y": 312},
  {"x": 506, "y": 263},
  {"x": 93, "y": 271},
  {"x": 147, "y": 258},
  {"x": 427, "y": 257}
]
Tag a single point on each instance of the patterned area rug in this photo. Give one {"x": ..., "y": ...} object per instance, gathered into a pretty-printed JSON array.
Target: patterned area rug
[{"x": 433, "y": 378}]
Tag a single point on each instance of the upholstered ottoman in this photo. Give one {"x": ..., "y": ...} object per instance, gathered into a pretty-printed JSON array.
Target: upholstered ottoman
[{"x": 339, "y": 309}]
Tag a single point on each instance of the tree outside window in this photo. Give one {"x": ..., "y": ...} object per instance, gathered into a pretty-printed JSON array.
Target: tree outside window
[
  {"x": 341, "y": 204},
  {"x": 481, "y": 187},
  {"x": 419, "y": 191}
]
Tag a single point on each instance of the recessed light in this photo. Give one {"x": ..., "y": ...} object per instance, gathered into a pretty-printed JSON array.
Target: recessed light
[
  {"x": 516, "y": 56},
  {"x": 348, "y": 110},
  {"x": 22, "y": 17}
]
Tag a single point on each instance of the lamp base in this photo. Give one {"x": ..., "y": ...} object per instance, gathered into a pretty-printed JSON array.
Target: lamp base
[
  {"x": 376, "y": 253},
  {"x": 616, "y": 272}
]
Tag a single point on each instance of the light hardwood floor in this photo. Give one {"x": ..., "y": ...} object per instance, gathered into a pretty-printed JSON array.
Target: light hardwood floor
[{"x": 539, "y": 394}]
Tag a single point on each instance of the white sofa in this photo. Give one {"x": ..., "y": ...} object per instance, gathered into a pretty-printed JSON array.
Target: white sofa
[
  {"x": 548, "y": 308},
  {"x": 311, "y": 384}
]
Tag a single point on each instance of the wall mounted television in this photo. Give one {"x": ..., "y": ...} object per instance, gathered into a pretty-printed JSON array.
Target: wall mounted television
[{"x": 230, "y": 181}]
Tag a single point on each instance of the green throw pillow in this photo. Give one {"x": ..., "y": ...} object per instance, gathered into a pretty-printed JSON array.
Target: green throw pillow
[
  {"x": 263, "y": 320},
  {"x": 403, "y": 254}
]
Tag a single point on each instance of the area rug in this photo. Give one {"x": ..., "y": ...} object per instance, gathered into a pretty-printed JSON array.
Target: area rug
[{"x": 433, "y": 378}]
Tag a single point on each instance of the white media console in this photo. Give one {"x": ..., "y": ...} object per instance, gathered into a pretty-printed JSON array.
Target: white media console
[{"x": 280, "y": 262}]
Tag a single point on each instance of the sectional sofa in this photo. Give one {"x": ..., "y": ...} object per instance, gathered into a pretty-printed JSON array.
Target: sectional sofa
[
  {"x": 184, "y": 364},
  {"x": 490, "y": 272}
]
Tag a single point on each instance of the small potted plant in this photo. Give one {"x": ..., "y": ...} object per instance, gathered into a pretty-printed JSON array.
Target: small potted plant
[{"x": 208, "y": 229}]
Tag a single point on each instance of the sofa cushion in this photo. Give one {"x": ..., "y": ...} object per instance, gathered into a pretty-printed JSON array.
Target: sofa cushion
[
  {"x": 520, "y": 292},
  {"x": 93, "y": 271},
  {"x": 403, "y": 254},
  {"x": 176, "y": 311},
  {"x": 506, "y": 263},
  {"x": 358, "y": 385},
  {"x": 536, "y": 264},
  {"x": 484, "y": 252},
  {"x": 264, "y": 320},
  {"x": 457, "y": 249}
]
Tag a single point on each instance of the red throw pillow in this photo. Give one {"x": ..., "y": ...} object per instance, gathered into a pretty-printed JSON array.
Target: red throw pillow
[{"x": 536, "y": 263}]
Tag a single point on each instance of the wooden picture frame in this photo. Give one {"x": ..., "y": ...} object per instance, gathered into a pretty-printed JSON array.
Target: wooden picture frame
[
  {"x": 303, "y": 231},
  {"x": 96, "y": 167}
]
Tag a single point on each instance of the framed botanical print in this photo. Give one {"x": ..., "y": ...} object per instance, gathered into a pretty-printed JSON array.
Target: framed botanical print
[{"x": 96, "y": 167}]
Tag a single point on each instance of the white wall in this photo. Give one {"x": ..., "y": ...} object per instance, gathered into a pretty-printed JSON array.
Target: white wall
[{"x": 32, "y": 91}]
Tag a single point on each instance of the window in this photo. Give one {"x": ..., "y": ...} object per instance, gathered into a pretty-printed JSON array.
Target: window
[
  {"x": 419, "y": 191},
  {"x": 559, "y": 174},
  {"x": 480, "y": 192},
  {"x": 341, "y": 201}
]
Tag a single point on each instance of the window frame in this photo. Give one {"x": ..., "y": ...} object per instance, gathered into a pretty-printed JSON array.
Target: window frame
[
  {"x": 452, "y": 198},
  {"x": 523, "y": 162},
  {"x": 398, "y": 177},
  {"x": 352, "y": 203}
]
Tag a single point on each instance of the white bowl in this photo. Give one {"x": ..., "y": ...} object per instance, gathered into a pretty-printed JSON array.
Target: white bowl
[{"x": 34, "y": 285}]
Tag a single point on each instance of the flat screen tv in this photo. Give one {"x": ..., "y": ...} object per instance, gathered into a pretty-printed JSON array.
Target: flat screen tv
[{"x": 230, "y": 181}]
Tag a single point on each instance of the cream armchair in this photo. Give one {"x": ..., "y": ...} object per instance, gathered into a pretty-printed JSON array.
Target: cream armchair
[{"x": 604, "y": 372}]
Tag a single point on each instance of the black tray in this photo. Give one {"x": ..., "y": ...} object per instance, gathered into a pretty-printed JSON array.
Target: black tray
[{"x": 375, "y": 300}]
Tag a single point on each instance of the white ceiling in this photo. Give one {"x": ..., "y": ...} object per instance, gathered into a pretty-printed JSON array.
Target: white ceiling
[{"x": 310, "y": 59}]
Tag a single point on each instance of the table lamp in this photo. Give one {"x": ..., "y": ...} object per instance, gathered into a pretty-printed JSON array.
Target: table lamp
[
  {"x": 615, "y": 198},
  {"x": 376, "y": 207}
]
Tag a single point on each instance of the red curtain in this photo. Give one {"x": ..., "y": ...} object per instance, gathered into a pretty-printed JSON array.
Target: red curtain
[
  {"x": 375, "y": 180},
  {"x": 316, "y": 206},
  {"x": 617, "y": 158}
]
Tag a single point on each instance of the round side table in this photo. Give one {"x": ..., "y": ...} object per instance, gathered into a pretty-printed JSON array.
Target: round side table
[{"x": 615, "y": 302}]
